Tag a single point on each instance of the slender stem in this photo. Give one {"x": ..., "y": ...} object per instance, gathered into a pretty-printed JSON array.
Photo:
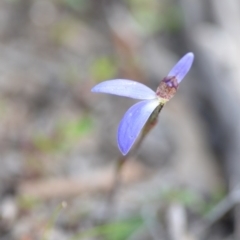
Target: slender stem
[{"x": 122, "y": 159}]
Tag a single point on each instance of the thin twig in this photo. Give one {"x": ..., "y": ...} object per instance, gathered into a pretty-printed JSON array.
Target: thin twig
[{"x": 220, "y": 210}]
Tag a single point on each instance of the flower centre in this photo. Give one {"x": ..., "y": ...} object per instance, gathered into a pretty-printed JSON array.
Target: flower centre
[{"x": 167, "y": 88}]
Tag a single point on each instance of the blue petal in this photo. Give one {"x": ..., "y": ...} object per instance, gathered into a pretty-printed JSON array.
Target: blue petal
[
  {"x": 133, "y": 122},
  {"x": 182, "y": 67},
  {"x": 125, "y": 88}
]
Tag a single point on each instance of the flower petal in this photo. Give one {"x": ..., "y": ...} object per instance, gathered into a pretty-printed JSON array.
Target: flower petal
[
  {"x": 182, "y": 67},
  {"x": 125, "y": 88},
  {"x": 133, "y": 122}
]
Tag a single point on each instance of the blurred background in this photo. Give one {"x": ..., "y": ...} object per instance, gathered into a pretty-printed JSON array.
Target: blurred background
[{"x": 58, "y": 147}]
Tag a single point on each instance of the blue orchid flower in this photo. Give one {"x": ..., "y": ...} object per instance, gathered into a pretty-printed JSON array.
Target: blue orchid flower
[{"x": 137, "y": 116}]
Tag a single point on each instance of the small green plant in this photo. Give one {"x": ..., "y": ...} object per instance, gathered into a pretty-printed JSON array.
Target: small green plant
[{"x": 120, "y": 230}]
